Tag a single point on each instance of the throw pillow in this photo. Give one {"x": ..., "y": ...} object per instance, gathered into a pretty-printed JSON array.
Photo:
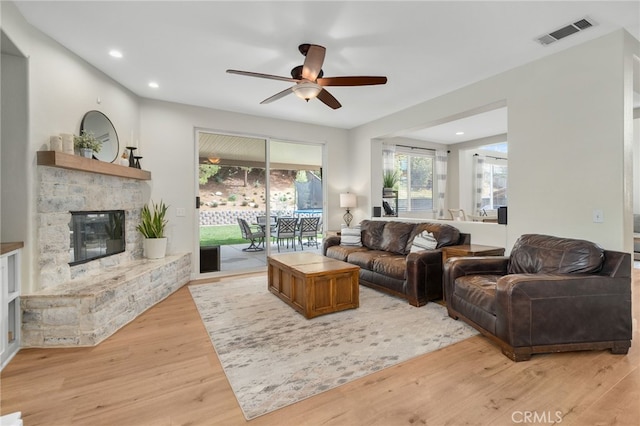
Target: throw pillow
[
  {"x": 351, "y": 236},
  {"x": 423, "y": 241}
]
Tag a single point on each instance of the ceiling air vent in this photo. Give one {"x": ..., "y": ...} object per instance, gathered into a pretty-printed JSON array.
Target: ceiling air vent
[{"x": 565, "y": 31}]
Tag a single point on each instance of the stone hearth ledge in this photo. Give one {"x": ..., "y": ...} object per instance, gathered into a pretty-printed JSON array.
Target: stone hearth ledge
[{"x": 87, "y": 310}]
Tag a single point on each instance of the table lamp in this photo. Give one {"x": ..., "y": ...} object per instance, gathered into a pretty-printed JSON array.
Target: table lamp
[{"x": 347, "y": 201}]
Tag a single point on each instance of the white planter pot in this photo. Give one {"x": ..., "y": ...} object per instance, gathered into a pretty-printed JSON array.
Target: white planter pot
[
  {"x": 154, "y": 248},
  {"x": 86, "y": 152}
]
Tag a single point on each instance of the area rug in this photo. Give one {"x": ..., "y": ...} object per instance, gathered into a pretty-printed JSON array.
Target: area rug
[{"x": 274, "y": 357}]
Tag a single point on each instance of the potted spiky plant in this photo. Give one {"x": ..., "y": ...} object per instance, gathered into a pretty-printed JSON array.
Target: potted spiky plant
[
  {"x": 152, "y": 225},
  {"x": 389, "y": 180}
]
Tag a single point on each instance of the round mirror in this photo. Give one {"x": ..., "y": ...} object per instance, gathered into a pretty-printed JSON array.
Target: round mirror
[{"x": 97, "y": 123}]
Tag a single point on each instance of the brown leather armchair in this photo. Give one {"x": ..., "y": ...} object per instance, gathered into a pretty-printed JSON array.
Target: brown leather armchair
[{"x": 550, "y": 295}]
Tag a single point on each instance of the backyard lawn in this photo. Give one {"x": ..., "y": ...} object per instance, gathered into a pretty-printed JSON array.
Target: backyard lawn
[{"x": 219, "y": 235}]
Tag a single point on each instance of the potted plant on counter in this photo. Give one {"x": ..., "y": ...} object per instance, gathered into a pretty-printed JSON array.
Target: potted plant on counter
[
  {"x": 389, "y": 180},
  {"x": 87, "y": 144},
  {"x": 152, "y": 224}
]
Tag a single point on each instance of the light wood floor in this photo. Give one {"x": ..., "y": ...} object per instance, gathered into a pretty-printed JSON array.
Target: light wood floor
[{"x": 162, "y": 370}]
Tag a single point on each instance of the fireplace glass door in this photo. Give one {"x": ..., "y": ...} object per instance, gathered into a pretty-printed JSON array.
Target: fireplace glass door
[{"x": 95, "y": 234}]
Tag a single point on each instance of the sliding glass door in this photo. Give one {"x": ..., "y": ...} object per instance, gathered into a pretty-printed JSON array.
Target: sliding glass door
[{"x": 245, "y": 184}]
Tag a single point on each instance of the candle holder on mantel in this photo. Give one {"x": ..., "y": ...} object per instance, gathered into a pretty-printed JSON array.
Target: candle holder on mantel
[
  {"x": 132, "y": 160},
  {"x": 138, "y": 162}
]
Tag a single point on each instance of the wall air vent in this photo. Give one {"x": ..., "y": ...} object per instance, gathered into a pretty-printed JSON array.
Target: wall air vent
[{"x": 565, "y": 31}]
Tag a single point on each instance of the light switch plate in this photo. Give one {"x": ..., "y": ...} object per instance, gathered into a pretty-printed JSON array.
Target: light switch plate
[{"x": 181, "y": 212}]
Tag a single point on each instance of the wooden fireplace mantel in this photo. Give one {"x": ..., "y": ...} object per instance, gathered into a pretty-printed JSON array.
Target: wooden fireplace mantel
[{"x": 75, "y": 162}]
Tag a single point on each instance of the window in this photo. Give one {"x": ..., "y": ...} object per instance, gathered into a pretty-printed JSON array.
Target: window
[
  {"x": 496, "y": 147},
  {"x": 494, "y": 183},
  {"x": 415, "y": 187}
]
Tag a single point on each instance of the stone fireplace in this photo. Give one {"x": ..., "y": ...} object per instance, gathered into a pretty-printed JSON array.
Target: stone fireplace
[
  {"x": 62, "y": 191},
  {"x": 83, "y": 303}
]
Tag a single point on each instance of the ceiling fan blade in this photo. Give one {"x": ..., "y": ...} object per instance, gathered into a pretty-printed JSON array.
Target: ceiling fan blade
[
  {"x": 351, "y": 81},
  {"x": 260, "y": 75},
  {"x": 278, "y": 95},
  {"x": 313, "y": 62},
  {"x": 328, "y": 99}
]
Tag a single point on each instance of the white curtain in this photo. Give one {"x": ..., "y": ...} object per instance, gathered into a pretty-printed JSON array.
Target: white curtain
[
  {"x": 478, "y": 173},
  {"x": 388, "y": 158},
  {"x": 441, "y": 182}
]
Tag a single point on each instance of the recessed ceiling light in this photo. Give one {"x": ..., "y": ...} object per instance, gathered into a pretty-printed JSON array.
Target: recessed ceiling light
[
  {"x": 459, "y": 133},
  {"x": 153, "y": 85},
  {"x": 115, "y": 53}
]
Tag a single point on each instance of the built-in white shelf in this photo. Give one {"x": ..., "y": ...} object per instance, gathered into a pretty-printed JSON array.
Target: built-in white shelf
[{"x": 10, "y": 312}]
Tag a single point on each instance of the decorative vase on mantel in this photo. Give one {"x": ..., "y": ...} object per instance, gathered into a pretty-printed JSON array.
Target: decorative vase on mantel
[
  {"x": 86, "y": 152},
  {"x": 124, "y": 159}
]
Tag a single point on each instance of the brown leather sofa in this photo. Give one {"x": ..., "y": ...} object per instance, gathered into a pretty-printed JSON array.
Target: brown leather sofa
[
  {"x": 551, "y": 295},
  {"x": 386, "y": 263}
]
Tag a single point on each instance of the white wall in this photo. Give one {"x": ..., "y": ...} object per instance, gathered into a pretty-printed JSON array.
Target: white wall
[
  {"x": 568, "y": 120},
  {"x": 14, "y": 224},
  {"x": 571, "y": 104},
  {"x": 61, "y": 89},
  {"x": 168, "y": 149}
]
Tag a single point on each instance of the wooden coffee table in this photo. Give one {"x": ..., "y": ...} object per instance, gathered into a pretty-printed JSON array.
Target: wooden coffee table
[{"x": 313, "y": 284}]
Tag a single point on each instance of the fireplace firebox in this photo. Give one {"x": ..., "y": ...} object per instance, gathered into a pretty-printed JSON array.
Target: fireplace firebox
[{"x": 96, "y": 234}]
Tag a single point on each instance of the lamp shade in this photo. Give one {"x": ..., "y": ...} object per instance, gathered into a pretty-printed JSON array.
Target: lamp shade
[
  {"x": 347, "y": 200},
  {"x": 307, "y": 90}
]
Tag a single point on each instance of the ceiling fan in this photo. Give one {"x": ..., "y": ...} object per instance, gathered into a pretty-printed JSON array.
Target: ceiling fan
[{"x": 309, "y": 78}]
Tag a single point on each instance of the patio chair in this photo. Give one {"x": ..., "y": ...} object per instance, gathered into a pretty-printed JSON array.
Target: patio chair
[
  {"x": 256, "y": 237},
  {"x": 262, "y": 222},
  {"x": 273, "y": 223},
  {"x": 285, "y": 231},
  {"x": 308, "y": 229}
]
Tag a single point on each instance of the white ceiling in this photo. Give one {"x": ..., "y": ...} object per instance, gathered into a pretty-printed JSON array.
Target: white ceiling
[
  {"x": 425, "y": 48},
  {"x": 476, "y": 126}
]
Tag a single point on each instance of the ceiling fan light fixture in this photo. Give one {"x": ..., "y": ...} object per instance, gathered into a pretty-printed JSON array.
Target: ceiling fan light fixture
[
  {"x": 309, "y": 80},
  {"x": 307, "y": 90}
]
